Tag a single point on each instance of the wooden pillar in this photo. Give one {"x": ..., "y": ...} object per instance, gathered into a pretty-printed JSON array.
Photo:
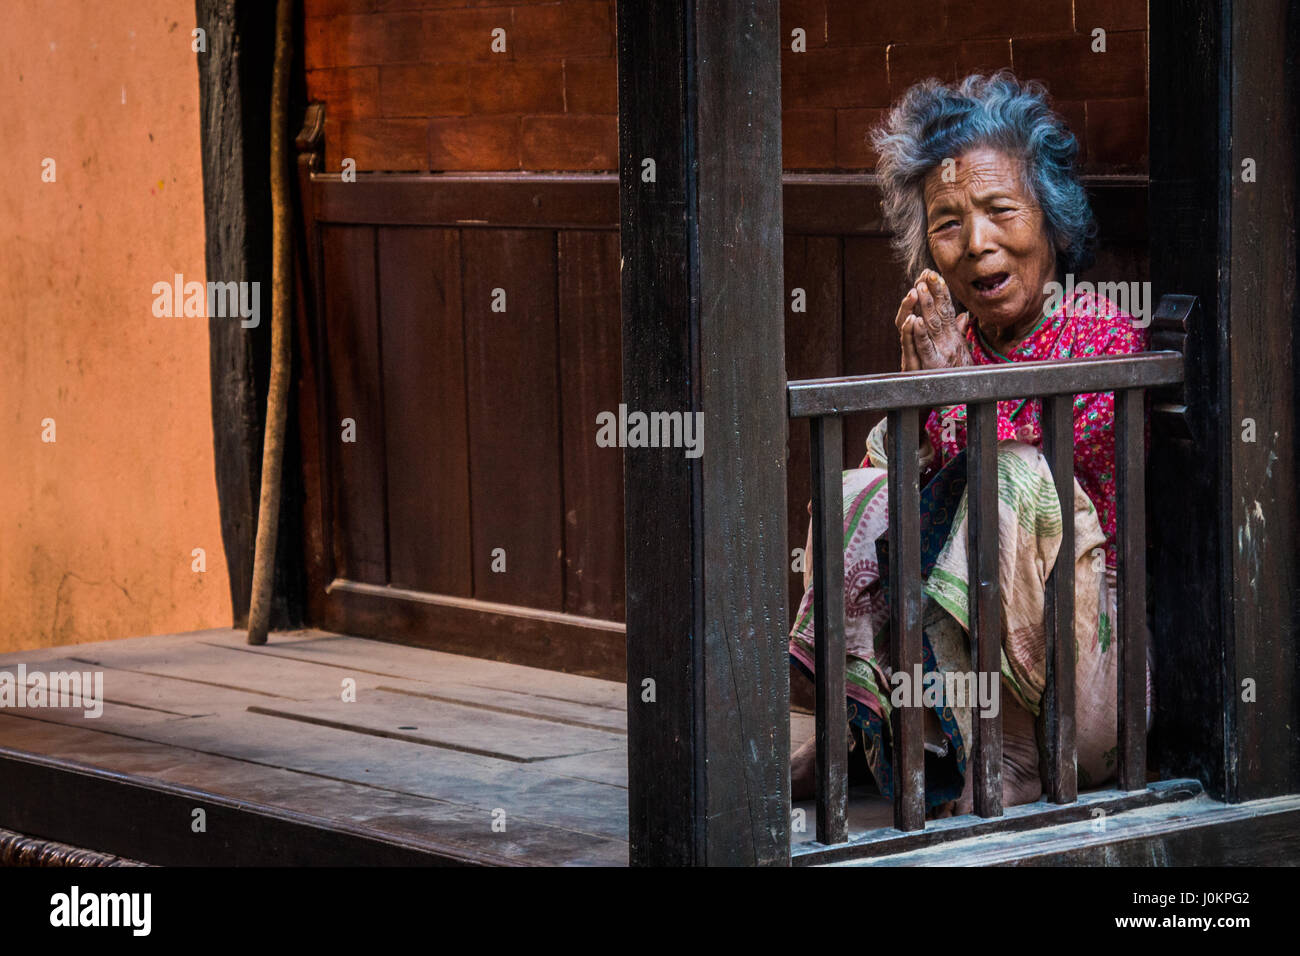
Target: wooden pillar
[
  {"x": 234, "y": 113},
  {"x": 1260, "y": 516},
  {"x": 703, "y": 320},
  {"x": 1223, "y": 506}
]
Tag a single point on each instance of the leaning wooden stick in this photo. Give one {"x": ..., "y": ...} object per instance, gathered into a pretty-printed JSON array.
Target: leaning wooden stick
[{"x": 268, "y": 511}]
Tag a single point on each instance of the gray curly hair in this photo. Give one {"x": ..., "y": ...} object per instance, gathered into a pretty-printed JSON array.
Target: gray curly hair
[{"x": 934, "y": 121}]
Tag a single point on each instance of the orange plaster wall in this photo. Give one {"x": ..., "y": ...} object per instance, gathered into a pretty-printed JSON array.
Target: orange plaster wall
[{"x": 97, "y": 528}]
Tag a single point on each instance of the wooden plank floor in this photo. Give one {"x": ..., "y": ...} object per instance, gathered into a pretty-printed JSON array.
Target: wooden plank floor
[{"x": 435, "y": 750}]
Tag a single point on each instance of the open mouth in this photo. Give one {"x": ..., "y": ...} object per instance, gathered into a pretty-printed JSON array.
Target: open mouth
[{"x": 992, "y": 283}]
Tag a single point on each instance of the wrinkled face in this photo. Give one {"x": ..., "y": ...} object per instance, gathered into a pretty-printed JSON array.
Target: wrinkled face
[{"x": 989, "y": 239}]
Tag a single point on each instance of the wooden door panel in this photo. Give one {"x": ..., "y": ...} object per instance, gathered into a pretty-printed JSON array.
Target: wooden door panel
[
  {"x": 514, "y": 423},
  {"x": 591, "y": 362},
  {"x": 351, "y": 350},
  {"x": 424, "y": 410}
]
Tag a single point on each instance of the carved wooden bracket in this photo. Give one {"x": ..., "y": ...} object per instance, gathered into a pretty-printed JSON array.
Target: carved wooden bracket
[{"x": 310, "y": 141}]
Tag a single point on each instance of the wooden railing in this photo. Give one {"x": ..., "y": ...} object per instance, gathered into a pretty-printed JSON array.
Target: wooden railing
[{"x": 903, "y": 396}]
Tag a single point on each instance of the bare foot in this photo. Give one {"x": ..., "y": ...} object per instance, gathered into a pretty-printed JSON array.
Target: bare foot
[
  {"x": 954, "y": 808},
  {"x": 1020, "y": 783},
  {"x": 941, "y": 811}
]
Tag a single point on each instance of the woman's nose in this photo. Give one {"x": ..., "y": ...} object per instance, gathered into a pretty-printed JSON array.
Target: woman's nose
[{"x": 979, "y": 237}]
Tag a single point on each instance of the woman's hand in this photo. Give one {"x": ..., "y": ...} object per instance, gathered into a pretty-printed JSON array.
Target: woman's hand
[{"x": 930, "y": 333}]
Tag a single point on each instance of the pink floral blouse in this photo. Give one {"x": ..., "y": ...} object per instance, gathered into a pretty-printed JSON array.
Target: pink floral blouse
[{"x": 1089, "y": 325}]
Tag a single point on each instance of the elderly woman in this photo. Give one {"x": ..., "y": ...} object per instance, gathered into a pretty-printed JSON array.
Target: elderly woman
[{"x": 981, "y": 196}]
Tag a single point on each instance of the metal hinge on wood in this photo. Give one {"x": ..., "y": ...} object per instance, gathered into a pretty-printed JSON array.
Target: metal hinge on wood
[{"x": 1170, "y": 329}]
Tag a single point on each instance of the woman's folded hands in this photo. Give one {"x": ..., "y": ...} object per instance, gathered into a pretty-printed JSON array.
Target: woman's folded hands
[{"x": 930, "y": 333}]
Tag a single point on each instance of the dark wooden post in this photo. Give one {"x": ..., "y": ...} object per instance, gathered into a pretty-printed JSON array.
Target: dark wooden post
[
  {"x": 1062, "y": 775},
  {"x": 1222, "y": 503},
  {"x": 234, "y": 112},
  {"x": 703, "y": 323},
  {"x": 985, "y": 601},
  {"x": 905, "y": 608}
]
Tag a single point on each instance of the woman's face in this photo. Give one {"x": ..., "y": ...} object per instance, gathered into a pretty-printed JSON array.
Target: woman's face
[{"x": 989, "y": 239}]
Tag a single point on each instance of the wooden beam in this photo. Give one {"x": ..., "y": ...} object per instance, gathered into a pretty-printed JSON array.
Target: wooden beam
[
  {"x": 93, "y": 808},
  {"x": 1262, "y": 312},
  {"x": 703, "y": 313},
  {"x": 550, "y": 640},
  {"x": 832, "y": 204},
  {"x": 1022, "y": 819},
  {"x": 1190, "y": 833},
  {"x": 1131, "y": 601},
  {"x": 906, "y": 602},
  {"x": 984, "y": 601},
  {"x": 981, "y": 383},
  {"x": 234, "y": 113},
  {"x": 826, "y": 439},
  {"x": 1223, "y": 509},
  {"x": 1062, "y": 766}
]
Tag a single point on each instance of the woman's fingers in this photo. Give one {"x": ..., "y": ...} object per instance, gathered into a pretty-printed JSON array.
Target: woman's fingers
[
  {"x": 907, "y": 338},
  {"x": 900, "y": 321},
  {"x": 905, "y": 309},
  {"x": 927, "y": 350},
  {"x": 930, "y": 333},
  {"x": 942, "y": 296},
  {"x": 930, "y": 312}
]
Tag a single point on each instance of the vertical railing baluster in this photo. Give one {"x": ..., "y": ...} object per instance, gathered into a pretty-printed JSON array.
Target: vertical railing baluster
[
  {"x": 907, "y": 728},
  {"x": 1058, "y": 694},
  {"x": 1130, "y": 452},
  {"x": 983, "y": 600},
  {"x": 828, "y": 628}
]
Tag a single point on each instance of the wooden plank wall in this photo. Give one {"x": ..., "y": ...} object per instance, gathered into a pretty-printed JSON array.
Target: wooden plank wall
[{"x": 474, "y": 428}]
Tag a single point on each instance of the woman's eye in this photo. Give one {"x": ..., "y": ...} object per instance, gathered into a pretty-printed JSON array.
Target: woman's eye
[
  {"x": 997, "y": 209},
  {"x": 950, "y": 222}
]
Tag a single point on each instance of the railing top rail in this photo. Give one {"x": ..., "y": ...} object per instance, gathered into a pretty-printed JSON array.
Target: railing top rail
[{"x": 984, "y": 383}]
